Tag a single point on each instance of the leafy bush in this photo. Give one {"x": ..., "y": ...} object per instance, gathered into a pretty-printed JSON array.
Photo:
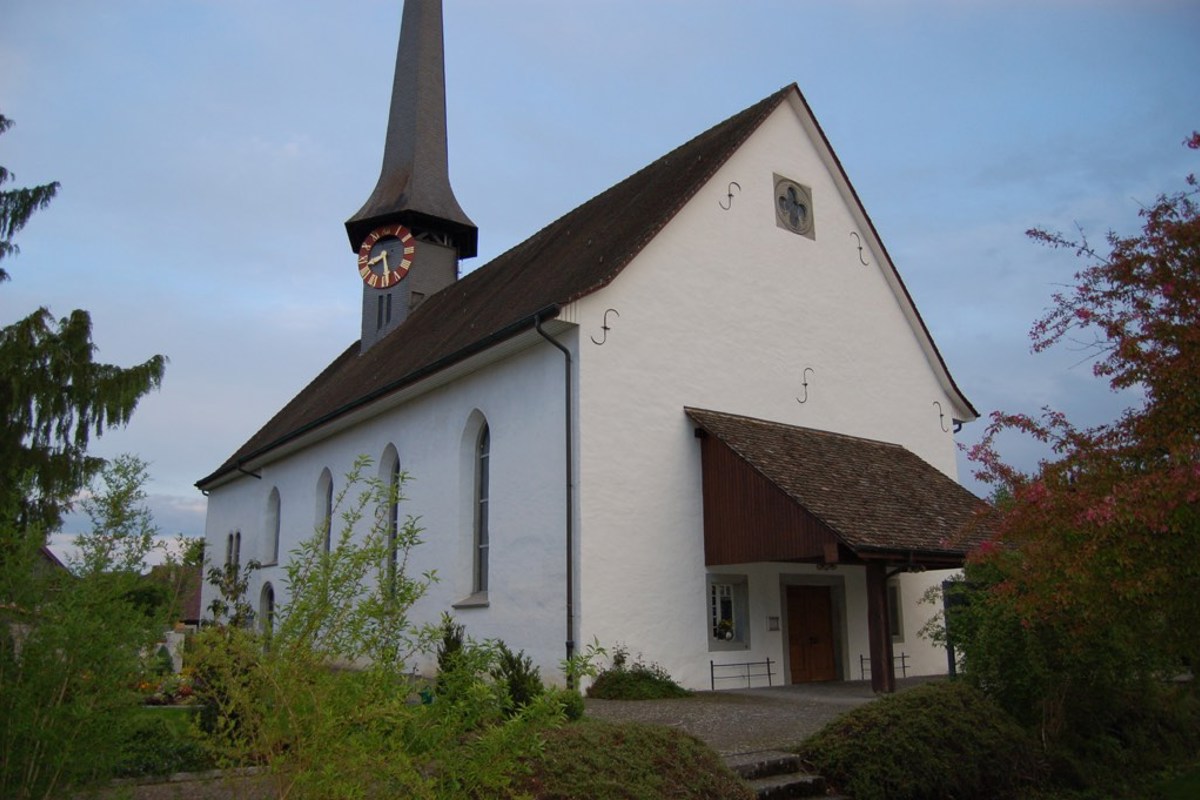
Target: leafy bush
[
  {"x": 637, "y": 681},
  {"x": 630, "y": 761},
  {"x": 940, "y": 740},
  {"x": 1120, "y": 740},
  {"x": 571, "y": 702},
  {"x": 328, "y": 730},
  {"x": 515, "y": 671},
  {"x": 152, "y": 746},
  {"x": 70, "y": 645},
  {"x": 229, "y": 690},
  {"x": 449, "y": 648}
]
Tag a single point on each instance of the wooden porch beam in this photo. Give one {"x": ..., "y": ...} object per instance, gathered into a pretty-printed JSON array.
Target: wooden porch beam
[{"x": 883, "y": 669}]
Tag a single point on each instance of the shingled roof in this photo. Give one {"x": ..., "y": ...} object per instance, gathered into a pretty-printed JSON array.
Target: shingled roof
[
  {"x": 578, "y": 254},
  {"x": 572, "y": 257},
  {"x": 876, "y": 497}
]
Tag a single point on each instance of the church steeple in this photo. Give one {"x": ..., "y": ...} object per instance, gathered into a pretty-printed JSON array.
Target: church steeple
[
  {"x": 411, "y": 232},
  {"x": 414, "y": 184}
]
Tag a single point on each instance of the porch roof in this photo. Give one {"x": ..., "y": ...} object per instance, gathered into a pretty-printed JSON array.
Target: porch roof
[{"x": 797, "y": 491}]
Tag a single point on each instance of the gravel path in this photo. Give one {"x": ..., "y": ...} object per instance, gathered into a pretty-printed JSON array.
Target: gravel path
[{"x": 744, "y": 720}]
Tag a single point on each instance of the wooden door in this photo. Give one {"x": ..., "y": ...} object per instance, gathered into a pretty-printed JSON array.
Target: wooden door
[{"x": 810, "y": 633}]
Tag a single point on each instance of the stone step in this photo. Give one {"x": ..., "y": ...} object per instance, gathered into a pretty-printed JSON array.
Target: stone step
[
  {"x": 793, "y": 785},
  {"x": 775, "y": 774},
  {"x": 763, "y": 763}
]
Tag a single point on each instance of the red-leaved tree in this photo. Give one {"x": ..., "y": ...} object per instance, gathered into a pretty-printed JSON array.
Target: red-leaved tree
[{"x": 1101, "y": 544}]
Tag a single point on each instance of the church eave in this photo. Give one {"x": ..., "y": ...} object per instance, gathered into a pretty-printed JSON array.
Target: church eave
[{"x": 242, "y": 461}]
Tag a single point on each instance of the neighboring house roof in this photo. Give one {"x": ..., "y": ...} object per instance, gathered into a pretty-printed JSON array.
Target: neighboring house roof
[
  {"x": 875, "y": 496},
  {"x": 50, "y": 560},
  {"x": 572, "y": 257},
  {"x": 187, "y": 580}
]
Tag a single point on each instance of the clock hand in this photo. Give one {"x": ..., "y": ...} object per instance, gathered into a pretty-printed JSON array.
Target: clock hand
[
  {"x": 377, "y": 259},
  {"x": 386, "y": 268}
]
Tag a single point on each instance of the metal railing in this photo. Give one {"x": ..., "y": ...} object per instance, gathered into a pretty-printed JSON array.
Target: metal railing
[
  {"x": 744, "y": 670},
  {"x": 864, "y": 665}
]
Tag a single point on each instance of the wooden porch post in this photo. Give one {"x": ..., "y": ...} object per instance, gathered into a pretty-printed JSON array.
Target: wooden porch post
[{"x": 883, "y": 670}]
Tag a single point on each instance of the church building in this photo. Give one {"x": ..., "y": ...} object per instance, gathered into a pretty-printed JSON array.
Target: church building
[{"x": 699, "y": 416}]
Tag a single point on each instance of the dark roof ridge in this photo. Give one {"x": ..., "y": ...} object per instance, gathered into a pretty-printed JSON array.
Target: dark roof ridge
[
  {"x": 749, "y": 118},
  {"x": 754, "y": 115},
  {"x": 772, "y": 423}
]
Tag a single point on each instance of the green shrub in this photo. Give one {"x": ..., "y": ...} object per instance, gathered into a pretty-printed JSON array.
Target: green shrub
[
  {"x": 940, "y": 740},
  {"x": 152, "y": 746},
  {"x": 630, "y": 761},
  {"x": 70, "y": 645},
  {"x": 515, "y": 671},
  {"x": 162, "y": 663},
  {"x": 1119, "y": 740},
  {"x": 637, "y": 681},
  {"x": 327, "y": 730},
  {"x": 571, "y": 701},
  {"x": 449, "y": 648}
]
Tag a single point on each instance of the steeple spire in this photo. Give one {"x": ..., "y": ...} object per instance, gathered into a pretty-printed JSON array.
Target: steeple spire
[{"x": 414, "y": 184}]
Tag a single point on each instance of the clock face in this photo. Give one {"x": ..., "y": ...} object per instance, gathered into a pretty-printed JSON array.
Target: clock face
[{"x": 386, "y": 255}]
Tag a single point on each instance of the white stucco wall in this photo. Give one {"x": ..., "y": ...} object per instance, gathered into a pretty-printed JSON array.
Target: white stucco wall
[
  {"x": 724, "y": 310},
  {"x": 522, "y": 400}
]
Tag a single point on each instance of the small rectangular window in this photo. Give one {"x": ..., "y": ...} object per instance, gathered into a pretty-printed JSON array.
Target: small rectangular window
[
  {"x": 721, "y": 612},
  {"x": 728, "y": 612}
]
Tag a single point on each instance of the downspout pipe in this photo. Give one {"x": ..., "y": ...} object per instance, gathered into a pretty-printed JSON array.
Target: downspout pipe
[{"x": 569, "y": 473}]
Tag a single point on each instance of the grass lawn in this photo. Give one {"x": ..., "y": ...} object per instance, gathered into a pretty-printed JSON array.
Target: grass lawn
[
  {"x": 160, "y": 741},
  {"x": 1183, "y": 787},
  {"x": 177, "y": 718}
]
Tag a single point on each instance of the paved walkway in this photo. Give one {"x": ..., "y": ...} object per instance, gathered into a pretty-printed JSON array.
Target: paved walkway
[{"x": 744, "y": 720}]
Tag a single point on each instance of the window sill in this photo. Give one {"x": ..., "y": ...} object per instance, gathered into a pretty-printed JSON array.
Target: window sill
[
  {"x": 726, "y": 645},
  {"x": 477, "y": 600}
]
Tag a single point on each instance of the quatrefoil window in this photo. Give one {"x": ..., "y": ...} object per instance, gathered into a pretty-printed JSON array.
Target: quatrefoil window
[{"x": 794, "y": 207}]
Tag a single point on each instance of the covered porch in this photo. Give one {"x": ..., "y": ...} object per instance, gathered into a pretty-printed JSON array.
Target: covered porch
[{"x": 775, "y": 493}]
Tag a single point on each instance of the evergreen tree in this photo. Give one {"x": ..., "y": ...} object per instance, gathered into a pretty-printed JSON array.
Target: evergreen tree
[
  {"x": 17, "y": 206},
  {"x": 53, "y": 397}
]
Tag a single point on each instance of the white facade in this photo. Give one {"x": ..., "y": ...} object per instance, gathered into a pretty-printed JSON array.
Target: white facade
[{"x": 723, "y": 309}]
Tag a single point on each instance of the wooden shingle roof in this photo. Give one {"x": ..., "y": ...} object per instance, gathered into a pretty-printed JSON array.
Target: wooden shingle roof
[
  {"x": 578, "y": 254},
  {"x": 876, "y": 497},
  {"x": 572, "y": 257}
]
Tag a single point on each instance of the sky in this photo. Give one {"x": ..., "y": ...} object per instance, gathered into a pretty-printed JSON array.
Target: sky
[{"x": 209, "y": 152}]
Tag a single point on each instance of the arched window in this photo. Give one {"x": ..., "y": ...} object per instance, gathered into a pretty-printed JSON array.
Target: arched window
[
  {"x": 270, "y": 553},
  {"x": 325, "y": 508},
  {"x": 389, "y": 473},
  {"x": 266, "y": 609},
  {"x": 482, "y": 492}
]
